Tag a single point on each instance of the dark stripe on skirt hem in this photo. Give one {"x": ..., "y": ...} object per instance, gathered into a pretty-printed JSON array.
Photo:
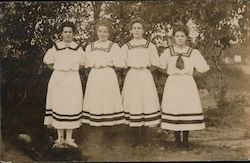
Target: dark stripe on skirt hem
[
  {"x": 189, "y": 114},
  {"x": 142, "y": 113},
  {"x": 65, "y": 120},
  {"x": 102, "y": 119},
  {"x": 71, "y": 117},
  {"x": 144, "y": 119},
  {"x": 63, "y": 115},
  {"x": 182, "y": 121},
  {"x": 109, "y": 114}
]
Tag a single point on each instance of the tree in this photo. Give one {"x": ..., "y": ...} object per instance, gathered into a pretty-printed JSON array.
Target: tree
[
  {"x": 35, "y": 35},
  {"x": 214, "y": 21}
]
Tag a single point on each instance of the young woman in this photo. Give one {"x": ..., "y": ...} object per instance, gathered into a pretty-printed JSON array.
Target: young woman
[
  {"x": 181, "y": 107},
  {"x": 64, "y": 97},
  {"x": 139, "y": 94},
  {"x": 102, "y": 102}
]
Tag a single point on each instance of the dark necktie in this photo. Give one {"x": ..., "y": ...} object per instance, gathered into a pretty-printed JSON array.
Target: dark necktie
[{"x": 180, "y": 62}]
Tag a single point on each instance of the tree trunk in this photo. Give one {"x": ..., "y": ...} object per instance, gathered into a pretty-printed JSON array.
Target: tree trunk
[
  {"x": 218, "y": 66},
  {"x": 96, "y": 5},
  {"x": 122, "y": 18},
  {"x": 97, "y": 9}
]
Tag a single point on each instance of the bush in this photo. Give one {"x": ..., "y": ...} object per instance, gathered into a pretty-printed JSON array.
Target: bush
[{"x": 230, "y": 113}]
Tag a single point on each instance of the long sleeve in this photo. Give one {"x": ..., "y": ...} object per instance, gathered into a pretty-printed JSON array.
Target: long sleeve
[
  {"x": 200, "y": 64},
  {"x": 154, "y": 56},
  {"x": 49, "y": 57}
]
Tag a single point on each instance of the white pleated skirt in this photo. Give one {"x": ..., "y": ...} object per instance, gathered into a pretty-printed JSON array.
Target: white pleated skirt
[
  {"x": 64, "y": 100},
  {"x": 140, "y": 98},
  {"x": 102, "y": 104},
  {"x": 181, "y": 106}
]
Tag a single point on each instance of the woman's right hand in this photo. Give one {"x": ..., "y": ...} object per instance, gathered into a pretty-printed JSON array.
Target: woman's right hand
[{"x": 164, "y": 71}]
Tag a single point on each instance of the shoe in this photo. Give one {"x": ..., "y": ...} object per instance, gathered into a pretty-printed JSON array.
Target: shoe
[
  {"x": 134, "y": 144},
  {"x": 187, "y": 145},
  {"x": 178, "y": 144},
  {"x": 144, "y": 142},
  {"x": 58, "y": 143},
  {"x": 71, "y": 143},
  {"x": 177, "y": 135}
]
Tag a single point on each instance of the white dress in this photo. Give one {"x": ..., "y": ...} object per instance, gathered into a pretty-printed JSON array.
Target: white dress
[
  {"x": 64, "y": 96},
  {"x": 102, "y": 101},
  {"x": 139, "y": 94},
  {"x": 181, "y": 106}
]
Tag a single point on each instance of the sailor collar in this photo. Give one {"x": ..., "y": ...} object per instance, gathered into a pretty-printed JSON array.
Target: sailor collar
[
  {"x": 93, "y": 47},
  {"x": 61, "y": 46},
  {"x": 186, "y": 54},
  {"x": 130, "y": 46}
]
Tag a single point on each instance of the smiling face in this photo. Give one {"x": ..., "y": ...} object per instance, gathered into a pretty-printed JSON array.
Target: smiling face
[
  {"x": 180, "y": 38},
  {"x": 137, "y": 30},
  {"x": 67, "y": 34},
  {"x": 103, "y": 33}
]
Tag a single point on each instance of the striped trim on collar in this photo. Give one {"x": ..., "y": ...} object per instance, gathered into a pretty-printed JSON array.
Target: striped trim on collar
[
  {"x": 187, "y": 54},
  {"x": 60, "y": 46},
  {"x": 138, "y": 46},
  {"x": 93, "y": 48}
]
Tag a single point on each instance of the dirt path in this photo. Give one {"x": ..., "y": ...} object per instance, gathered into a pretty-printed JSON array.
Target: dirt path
[
  {"x": 210, "y": 144},
  {"x": 11, "y": 153}
]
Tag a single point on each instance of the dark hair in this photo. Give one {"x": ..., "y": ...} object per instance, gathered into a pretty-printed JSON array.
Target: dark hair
[
  {"x": 67, "y": 24},
  {"x": 181, "y": 28},
  {"x": 106, "y": 23},
  {"x": 137, "y": 20}
]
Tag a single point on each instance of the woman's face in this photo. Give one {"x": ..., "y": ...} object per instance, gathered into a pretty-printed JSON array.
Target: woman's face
[
  {"x": 103, "y": 33},
  {"x": 137, "y": 30},
  {"x": 67, "y": 34},
  {"x": 180, "y": 38}
]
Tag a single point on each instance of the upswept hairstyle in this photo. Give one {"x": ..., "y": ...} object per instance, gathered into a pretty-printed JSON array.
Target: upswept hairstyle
[
  {"x": 181, "y": 28},
  {"x": 67, "y": 24},
  {"x": 138, "y": 20}
]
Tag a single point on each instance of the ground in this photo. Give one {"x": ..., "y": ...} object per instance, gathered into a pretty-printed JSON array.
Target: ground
[
  {"x": 226, "y": 137},
  {"x": 210, "y": 144}
]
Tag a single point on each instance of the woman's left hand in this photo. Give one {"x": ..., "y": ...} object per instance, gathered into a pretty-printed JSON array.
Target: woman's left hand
[
  {"x": 152, "y": 68},
  {"x": 51, "y": 66},
  {"x": 81, "y": 66}
]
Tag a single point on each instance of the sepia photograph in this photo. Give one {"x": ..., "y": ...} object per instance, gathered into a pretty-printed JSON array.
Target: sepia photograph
[{"x": 125, "y": 81}]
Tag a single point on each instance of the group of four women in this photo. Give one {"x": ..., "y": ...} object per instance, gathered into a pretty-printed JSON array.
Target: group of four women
[{"x": 138, "y": 104}]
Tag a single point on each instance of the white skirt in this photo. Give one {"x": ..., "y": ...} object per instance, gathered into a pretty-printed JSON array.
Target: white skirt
[
  {"x": 102, "y": 104},
  {"x": 64, "y": 100},
  {"x": 140, "y": 98},
  {"x": 181, "y": 106}
]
